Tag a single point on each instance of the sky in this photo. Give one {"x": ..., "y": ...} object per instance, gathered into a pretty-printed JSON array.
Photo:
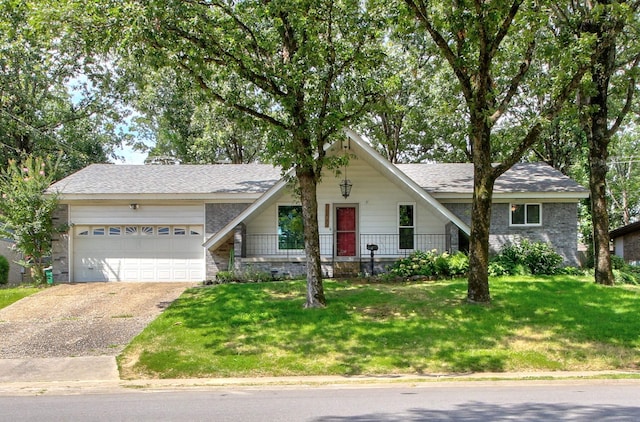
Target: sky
[{"x": 130, "y": 156}]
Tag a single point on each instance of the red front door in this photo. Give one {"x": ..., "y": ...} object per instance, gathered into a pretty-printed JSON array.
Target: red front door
[{"x": 346, "y": 221}]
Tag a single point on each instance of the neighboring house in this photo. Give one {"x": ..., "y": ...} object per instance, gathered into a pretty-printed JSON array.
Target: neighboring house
[
  {"x": 187, "y": 222},
  {"x": 626, "y": 243},
  {"x": 17, "y": 273}
]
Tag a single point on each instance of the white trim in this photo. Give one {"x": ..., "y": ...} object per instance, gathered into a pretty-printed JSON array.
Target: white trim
[
  {"x": 526, "y": 208},
  {"x": 506, "y": 196},
  {"x": 285, "y": 204},
  {"x": 415, "y": 224}
]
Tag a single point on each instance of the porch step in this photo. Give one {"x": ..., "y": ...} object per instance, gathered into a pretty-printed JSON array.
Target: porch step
[{"x": 346, "y": 269}]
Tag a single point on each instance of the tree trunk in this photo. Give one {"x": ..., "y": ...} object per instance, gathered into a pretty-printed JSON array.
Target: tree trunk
[
  {"x": 483, "y": 180},
  {"x": 598, "y": 137},
  {"x": 309, "y": 201}
]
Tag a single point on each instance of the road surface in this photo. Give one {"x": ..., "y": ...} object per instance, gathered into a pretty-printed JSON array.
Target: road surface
[{"x": 535, "y": 401}]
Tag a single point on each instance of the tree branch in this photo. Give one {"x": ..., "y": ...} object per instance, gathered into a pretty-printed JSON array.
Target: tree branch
[
  {"x": 631, "y": 88},
  {"x": 515, "y": 83},
  {"x": 420, "y": 11}
]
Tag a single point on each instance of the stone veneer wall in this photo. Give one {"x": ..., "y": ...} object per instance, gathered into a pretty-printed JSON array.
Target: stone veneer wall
[
  {"x": 216, "y": 217},
  {"x": 559, "y": 228},
  {"x": 60, "y": 245}
]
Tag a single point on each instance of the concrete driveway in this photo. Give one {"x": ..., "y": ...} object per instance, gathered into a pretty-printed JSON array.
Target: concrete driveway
[{"x": 89, "y": 323}]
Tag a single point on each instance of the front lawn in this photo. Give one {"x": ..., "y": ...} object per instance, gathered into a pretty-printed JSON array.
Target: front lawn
[
  {"x": 533, "y": 324},
  {"x": 8, "y": 295}
]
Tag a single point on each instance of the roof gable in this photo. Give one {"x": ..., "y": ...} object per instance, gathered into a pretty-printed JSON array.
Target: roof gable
[{"x": 363, "y": 150}]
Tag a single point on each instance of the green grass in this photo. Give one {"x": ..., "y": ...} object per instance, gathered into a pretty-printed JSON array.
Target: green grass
[
  {"x": 8, "y": 295},
  {"x": 533, "y": 324}
]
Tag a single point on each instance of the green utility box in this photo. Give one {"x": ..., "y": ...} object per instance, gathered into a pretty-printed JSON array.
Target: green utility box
[{"x": 48, "y": 273}]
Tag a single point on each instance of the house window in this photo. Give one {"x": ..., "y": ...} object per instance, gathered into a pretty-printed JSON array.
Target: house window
[
  {"x": 131, "y": 230},
  {"x": 115, "y": 231},
  {"x": 82, "y": 231},
  {"x": 290, "y": 228},
  {"x": 98, "y": 231},
  {"x": 179, "y": 231},
  {"x": 526, "y": 214},
  {"x": 195, "y": 230},
  {"x": 406, "y": 226},
  {"x": 163, "y": 231}
]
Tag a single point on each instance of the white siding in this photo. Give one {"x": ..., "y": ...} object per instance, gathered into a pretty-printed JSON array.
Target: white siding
[
  {"x": 377, "y": 199},
  {"x": 145, "y": 214}
]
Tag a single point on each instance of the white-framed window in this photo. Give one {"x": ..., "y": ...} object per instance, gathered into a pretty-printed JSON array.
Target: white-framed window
[
  {"x": 98, "y": 231},
  {"x": 290, "y": 227},
  {"x": 406, "y": 225},
  {"x": 131, "y": 230},
  {"x": 115, "y": 231},
  {"x": 195, "y": 230},
  {"x": 179, "y": 231},
  {"x": 164, "y": 231},
  {"x": 82, "y": 231},
  {"x": 525, "y": 214}
]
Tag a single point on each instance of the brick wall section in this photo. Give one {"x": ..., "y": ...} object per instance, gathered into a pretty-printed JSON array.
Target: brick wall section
[
  {"x": 631, "y": 245},
  {"x": 559, "y": 228},
  {"x": 60, "y": 259},
  {"x": 216, "y": 217}
]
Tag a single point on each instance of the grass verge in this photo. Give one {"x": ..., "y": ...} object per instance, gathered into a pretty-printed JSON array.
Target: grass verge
[
  {"x": 533, "y": 324},
  {"x": 8, "y": 295}
]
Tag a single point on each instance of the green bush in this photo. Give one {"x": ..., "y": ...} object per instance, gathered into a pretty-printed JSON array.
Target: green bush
[
  {"x": 458, "y": 264},
  {"x": 4, "y": 270},
  {"x": 525, "y": 258},
  {"x": 617, "y": 262},
  {"x": 223, "y": 277},
  {"x": 431, "y": 264}
]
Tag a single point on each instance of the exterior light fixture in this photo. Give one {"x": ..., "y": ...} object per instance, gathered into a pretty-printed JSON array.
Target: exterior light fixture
[
  {"x": 134, "y": 206},
  {"x": 345, "y": 187}
]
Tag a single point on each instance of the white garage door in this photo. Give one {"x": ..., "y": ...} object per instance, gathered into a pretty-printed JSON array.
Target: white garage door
[{"x": 138, "y": 253}]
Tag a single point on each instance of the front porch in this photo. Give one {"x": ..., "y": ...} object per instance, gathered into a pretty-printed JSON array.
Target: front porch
[{"x": 273, "y": 254}]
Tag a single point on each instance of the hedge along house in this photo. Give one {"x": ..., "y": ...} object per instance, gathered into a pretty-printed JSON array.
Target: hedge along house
[{"x": 188, "y": 222}]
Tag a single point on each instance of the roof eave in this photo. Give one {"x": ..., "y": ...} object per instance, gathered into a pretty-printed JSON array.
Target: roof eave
[
  {"x": 555, "y": 196},
  {"x": 226, "y": 196}
]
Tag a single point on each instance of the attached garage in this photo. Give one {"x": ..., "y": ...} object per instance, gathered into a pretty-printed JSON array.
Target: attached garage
[
  {"x": 138, "y": 253},
  {"x": 132, "y": 243}
]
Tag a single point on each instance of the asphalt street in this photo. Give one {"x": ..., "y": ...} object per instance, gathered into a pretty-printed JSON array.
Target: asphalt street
[{"x": 522, "y": 401}]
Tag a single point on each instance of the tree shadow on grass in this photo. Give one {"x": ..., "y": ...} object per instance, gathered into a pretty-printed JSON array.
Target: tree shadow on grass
[{"x": 370, "y": 329}]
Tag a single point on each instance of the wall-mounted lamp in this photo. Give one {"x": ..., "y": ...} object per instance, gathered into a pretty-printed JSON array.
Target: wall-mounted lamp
[{"x": 134, "y": 206}]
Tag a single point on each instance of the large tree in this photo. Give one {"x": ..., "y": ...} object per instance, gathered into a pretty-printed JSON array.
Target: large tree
[
  {"x": 50, "y": 92},
  {"x": 412, "y": 119},
  {"x": 300, "y": 66},
  {"x": 614, "y": 25},
  {"x": 491, "y": 47},
  {"x": 181, "y": 123}
]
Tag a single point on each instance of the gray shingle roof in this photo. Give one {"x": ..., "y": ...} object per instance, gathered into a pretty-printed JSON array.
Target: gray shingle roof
[
  {"x": 257, "y": 178},
  {"x": 458, "y": 178},
  {"x": 161, "y": 179}
]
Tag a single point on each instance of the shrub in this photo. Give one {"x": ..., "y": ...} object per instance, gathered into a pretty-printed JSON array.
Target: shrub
[
  {"x": 223, "y": 277},
  {"x": 526, "y": 258},
  {"x": 4, "y": 270},
  {"x": 430, "y": 264},
  {"x": 458, "y": 264},
  {"x": 617, "y": 262}
]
